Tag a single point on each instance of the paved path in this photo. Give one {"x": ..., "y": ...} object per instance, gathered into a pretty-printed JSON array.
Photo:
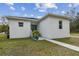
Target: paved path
[{"x": 76, "y": 48}]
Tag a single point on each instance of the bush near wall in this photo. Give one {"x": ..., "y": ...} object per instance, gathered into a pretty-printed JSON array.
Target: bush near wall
[
  {"x": 3, "y": 36},
  {"x": 35, "y": 34}
]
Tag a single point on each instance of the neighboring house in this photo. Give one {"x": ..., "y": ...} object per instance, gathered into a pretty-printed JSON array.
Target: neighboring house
[{"x": 51, "y": 26}]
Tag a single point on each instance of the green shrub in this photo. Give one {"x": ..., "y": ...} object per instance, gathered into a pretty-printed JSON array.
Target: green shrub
[
  {"x": 35, "y": 34},
  {"x": 3, "y": 36}
]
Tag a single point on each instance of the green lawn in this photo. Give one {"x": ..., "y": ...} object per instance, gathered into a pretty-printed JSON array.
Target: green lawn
[
  {"x": 73, "y": 41},
  {"x": 75, "y": 33},
  {"x": 28, "y": 47}
]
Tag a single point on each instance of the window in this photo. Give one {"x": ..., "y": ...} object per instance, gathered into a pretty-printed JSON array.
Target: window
[
  {"x": 60, "y": 24},
  {"x": 20, "y": 24}
]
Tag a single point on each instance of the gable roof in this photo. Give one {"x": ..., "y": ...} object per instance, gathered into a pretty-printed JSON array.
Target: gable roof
[
  {"x": 21, "y": 18},
  {"x": 55, "y": 15},
  {"x": 35, "y": 20},
  {"x": 32, "y": 20}
]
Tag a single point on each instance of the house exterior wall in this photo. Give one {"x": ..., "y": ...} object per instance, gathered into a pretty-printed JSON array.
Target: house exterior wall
[
  {"x": 19, "y": 32},
  {"x": 49, "y": 28}
]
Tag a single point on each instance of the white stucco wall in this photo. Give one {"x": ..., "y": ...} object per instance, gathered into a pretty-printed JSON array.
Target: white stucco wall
[
  {"x": 49, "y": 28},
  {"x": 19, "y": 32}
]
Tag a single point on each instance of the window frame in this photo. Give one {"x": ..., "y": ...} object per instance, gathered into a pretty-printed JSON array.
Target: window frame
[
  {"x": 33, "y": 27},
  {"x": 60, "y": 25},
  {"x": 20, "y": 24}
]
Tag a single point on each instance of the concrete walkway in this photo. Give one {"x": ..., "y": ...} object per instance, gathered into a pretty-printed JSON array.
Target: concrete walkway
[{"x": 75, "y": 48}]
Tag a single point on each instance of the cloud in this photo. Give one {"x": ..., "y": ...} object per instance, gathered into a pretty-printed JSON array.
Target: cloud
[
  {"x": 39, "y": 16},
  {"x": 73, "y": 4},
  {"x": 37, "y": 5},
  {"x": 50, "y": 5},
  {"x": 9, "y": 4},
  {"x": 23, "y": 8},
  {"x": 76, "y": 4},
  {"x": 42, "y": 7},
  {"x": 63, "y": 12},
  {"x": 70, "y": 5},
  {"x": 46, "y": 5},
  {"x": 42, "y": 10},
  {"x": 12, "y": 8}
]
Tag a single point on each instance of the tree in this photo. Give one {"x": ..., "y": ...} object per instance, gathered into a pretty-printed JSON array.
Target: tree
[
  {"x": 4, "y": 28},
  {"x": 77, "y": 21},
  {"x": 72, "y": 13},
  {"x": 74, "y": 26}
]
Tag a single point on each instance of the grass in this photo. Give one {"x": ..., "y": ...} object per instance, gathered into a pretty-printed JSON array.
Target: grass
[
  {"x": 75, "y": 33},
  {"x": 73, "y": 41},
  {"x": 28, "y": 47}
]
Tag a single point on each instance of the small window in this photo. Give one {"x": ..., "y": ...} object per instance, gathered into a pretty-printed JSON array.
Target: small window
[
  {"x": 60, "y": 24},
  {"x": 20, "y": 24}
]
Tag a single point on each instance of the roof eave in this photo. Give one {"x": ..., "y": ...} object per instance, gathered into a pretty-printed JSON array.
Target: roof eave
[{"x": 55, "y": 15}]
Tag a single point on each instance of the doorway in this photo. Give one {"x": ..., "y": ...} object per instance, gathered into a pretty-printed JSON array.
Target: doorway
[
  {"x": 33, "y": 27},
  {"x": 7, "y": 33}
]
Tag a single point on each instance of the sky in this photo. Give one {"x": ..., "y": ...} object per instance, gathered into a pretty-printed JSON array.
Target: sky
[{"x": 35, "y": 10}]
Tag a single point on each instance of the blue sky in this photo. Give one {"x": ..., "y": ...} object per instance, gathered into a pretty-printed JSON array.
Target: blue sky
[{"x": 35, "y": 10}]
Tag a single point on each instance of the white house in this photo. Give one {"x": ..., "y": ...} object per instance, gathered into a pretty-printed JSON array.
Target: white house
[
  {"x": 54, "y": 26},
  {"x": 50, "y": 26},
  {"x": 20, "y": 27}
]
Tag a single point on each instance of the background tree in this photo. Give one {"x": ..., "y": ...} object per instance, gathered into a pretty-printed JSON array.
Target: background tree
[
  {"x": 4, "y": 26},
  {"x": 74, "y": 18}
]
